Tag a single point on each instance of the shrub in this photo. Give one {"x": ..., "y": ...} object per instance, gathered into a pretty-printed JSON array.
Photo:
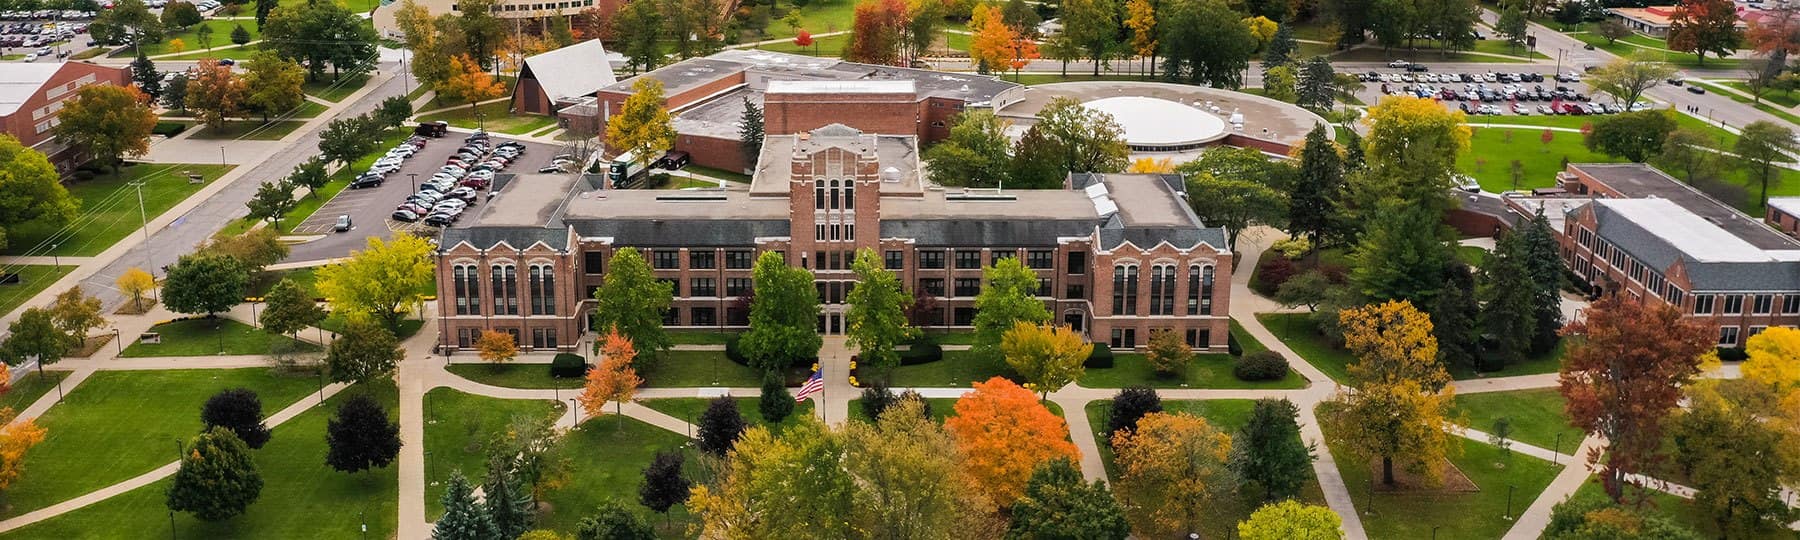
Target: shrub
[
  {"x": 1292, "y": 248},
  {"x": 776, "y": 404},
  {"x": 1129, "y": 405},
  {"x": 1271, "y": 273},
  {"x": 922, "y": 350},
  {"x": 568, "y": 365},
  {"x": 1101, "y": 358},
  {"x": 1261, "y": 366},
  {"x": 168, "y": 129},
  {"x": 1733, "y": 354},
  {"x": 877, "y": 398}
]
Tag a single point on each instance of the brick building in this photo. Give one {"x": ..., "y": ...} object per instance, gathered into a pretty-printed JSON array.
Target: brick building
[
  {"x": 32, "y": 94},
  {"x": 1630, "y": 229},
  {"x": 705, "y": 97},
  {"x": 1784, "y": 213},
  {"x": 1117, "y": 255},
  {"x": 555, "y": 79}
]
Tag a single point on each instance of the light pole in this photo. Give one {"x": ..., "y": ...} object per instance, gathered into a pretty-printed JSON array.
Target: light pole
[
  {"x": 221, "y": 155},
  {"x": 415, "y": 180},
  {"x": 1556, "y": 451},
  {"x": 577, "y": 411},
  {"x": 1509, "y": 494},
  {"x": 55, "y": 258}
]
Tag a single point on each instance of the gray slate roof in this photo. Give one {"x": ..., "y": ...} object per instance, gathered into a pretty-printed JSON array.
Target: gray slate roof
[
  {"x": 1660, "y": 255},
  {"x": 682, "y": 232},
  {"x": 487, "y": 237},
  {"x": 972, "y": 232}
]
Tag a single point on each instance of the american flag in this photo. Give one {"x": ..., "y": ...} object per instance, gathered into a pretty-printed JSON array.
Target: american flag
[{"x": 814, "y": 384}]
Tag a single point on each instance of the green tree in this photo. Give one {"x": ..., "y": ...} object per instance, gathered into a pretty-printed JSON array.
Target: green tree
[
  {"x": 1512, "y": 26},
  {"x": 181, "y": 15},
  {"x": 204, "y": 35},
  {"x": 1278, "y": 83},
  {"x": 975, "y": 153},
  {"x": 1291, "y": 519},
  {"x": 174, "y": 94},
  {"x": 107, "y": 122},
  {"x": 346, "y": 139},
  {"x": 876, "y": 321},
  {"x": 632, "y": 301},
  {"x": 1083, "y": 139},
  {"x": 1312, "y": 203},
  {"x": 1034, "y": 162},
  {"x": 1760, "y": 147},
  {"x": 1636, "y": 136},
  {"x": 775, "y": 402},
  {"x": 638, "y": 28},
  {"x": 311, "y": 175},
  {"x": 1267, "y": 452},
  {"x": 1233, "y": 203},
  {"x": 263, "y": 7},
  {"x": 360, "y": 436},
  {"x": 1317, "y": 84},
  {"x": 392, "y": 112},
  {"x": 1456, "y": 317},
  {"x": 1401, "y": 256},
  {"x": 1008, "y": 297},
  {"x": 1691, "y": 155},
  {"x": 1544, "y": 262},
  {"x": 205, "y": 283},
  {"x": 362, "y": 352},
  {"x": 463, "y": 518},
  {"x": 1725, "y": 452},
  {"x": 1058, "y": 503},
  {"x": 1201, "y": 45},
  {"x": 1626, "y": 79},
  {"x": 1281, "y": 48},
  {"x": 29, "y": 190},
  {"x": 783, "y": 315},
  {"x": 1410, "y": 160},
  {"x": 35, "y": 335},
  {"x": 1093, "y": 27},
  {"x": 381, "y": 282},
  {"x": 1507, "y": 316},
  {"x": 129, "y": 23},
  {"x": 613, "y": 522},
  {"x": 241, "y": 36},
  {"x": 642, "y": 125},
  {"x": 76, "y": 313},
  {"x": 508, "y": 505},
  {"x": 272, "y": 200},
  {"x": 1048, "y": 357},
  {"x": 217, "y": 479},
  {"x": 908, "y": 477},
  {"x": 1589, "y": 518},
  {"x": 750, "y": 131},
  {"x": 792, "y": 483},
  {"x": 145, "y": 76},
  {"x": 288, "y": 309},
  {"x": 294, "y": 32}
]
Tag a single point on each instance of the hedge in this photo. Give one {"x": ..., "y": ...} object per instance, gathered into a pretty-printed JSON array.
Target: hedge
[
  {"x": 1733, "y": 354},
  {"x": 922, "y": 351},
  {"x": 1101, "y": 358},
  {"x": 1261, "y": 366},
  {"x": 168, "y": 129},
  {"x": 735, "y": 355},
  {"x": 568, "y": 365}
]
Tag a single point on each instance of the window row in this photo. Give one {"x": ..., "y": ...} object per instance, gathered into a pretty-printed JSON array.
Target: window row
[
  {"x": 503, "y": 288},
  {"x": 1733, "y": 304},
  {"x": 1200, "y": 281}
]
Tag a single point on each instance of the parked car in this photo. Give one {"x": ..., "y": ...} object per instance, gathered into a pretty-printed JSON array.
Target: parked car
[
  {"x": 1690, "y": 89},
  {"x": 343, "y": 224},
  {"x": 405, "y": 216},
  {"x": 367, "y": 180}
]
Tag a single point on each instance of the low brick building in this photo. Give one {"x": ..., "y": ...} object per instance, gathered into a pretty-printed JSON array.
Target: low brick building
[
  {"x": 32, "y": 94},
  {"x": 1784, "y": 213},
  {"x": 1117, "y": 255}
]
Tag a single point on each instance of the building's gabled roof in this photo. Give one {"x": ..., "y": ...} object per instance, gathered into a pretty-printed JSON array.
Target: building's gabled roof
[
  {"x": 19, "y": 81},
  {"x": 573, "y": 71}
]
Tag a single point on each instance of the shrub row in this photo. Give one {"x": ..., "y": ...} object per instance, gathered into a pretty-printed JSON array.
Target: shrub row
[
  {"x": 922, "y": 350},
  {"x": 168, "y": 129},
  {"x": 1101, "y": 358}
]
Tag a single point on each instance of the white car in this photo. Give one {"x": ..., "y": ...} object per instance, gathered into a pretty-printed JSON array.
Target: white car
[
  {"x": 31, "y": 57},
  {"x": 1521, "y": 109}
]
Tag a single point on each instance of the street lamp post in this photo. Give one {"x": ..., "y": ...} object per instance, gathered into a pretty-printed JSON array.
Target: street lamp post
[
  {"x": 576, "y": 410},
  {"x": 1509, "y": 495},
  {"x": 415, "y": 180},
  {"x": 55, "y": 258},
  {"x": 221, "y": 155}
]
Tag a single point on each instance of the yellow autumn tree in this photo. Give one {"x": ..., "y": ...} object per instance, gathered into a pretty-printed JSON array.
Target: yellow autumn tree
[
  {"x": 1150, "y": 165},
  {"x": 1170, "y": 469},
  {"x": 496, "y": 347},
  {"x": 468, "y": 83},
  {"x": 1048, "y": 356},
  {"x": 1140, "y": 17},
  {"x": 176, "y": 46},
  {"x": 135, "y": 282},
  {"x": 615, "y": 380},
  {"x": 16, "y": 438},
  {"x": 1262, "y": 29},
  {"x": 1392, "y": 341},
  {"x": 642, "y": 126},
  {"x": 1399, "y": 411},
  {"x": 1773, "y": 369}
]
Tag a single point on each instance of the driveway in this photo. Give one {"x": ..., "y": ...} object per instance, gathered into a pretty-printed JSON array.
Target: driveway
[{"x": 369, "y": 208}]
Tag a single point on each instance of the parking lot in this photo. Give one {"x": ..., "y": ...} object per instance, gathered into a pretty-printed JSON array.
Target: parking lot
[
  {"x": 372, "y": 207},
  {"x": 1495, "y": 93},
  {"x": 41, "y": 39}
]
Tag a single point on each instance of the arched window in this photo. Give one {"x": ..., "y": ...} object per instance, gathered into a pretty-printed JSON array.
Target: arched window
[
  {"x": 1206, "y": 289},
  {"x": 467, "y": 288},
  {"x": 543, "y": 289},
  {"x": 505, "y": 284},
  {"x": 1125, "y": 283},
  {"x": 819, "y": 197}
]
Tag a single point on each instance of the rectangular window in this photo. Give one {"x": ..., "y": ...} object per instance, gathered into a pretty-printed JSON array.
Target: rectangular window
[
  {"x": 591, "y": 263},
  {"x": 1790, "y": 304},
  {"x": 1206, "y": 290},
  {"x": 1674, "y": 295},
  {"x": 505, "y": 284},
  {"x": 1162, "y": 287},
  {"x": 465, "y": 337},
  {"x": 932, "y": 286},
  {"x": 1734, "y": 304},
  {"x": 702, "y": 287},
  {"x": 837, "y": 260},
  {"x": 543, "y": 290},
  {"x": 1754, "y": 330},
  {"x": 931, "y": 260},
  {"x": 701, "y": 260},
  {"x": 1199, "y": 338},
  {"x": 968, "y": 260},
  {"x": 543, "y": 338},
  {"x": 1039, "y": 259},
  {"x": 468, "y": 290},
  {"x": 666, "y": 259},
  {"x": 1762, "y": 304},
  {"x": 738, "y": 259},
  {"x": 968, "y": 286},
  {"x": 999, "y": 255},
  {"x": 963, "y": 316},
  {"x": 704, "y": 316},
  {"x": 1043, "y": 287},
  {"x": 894, "y": 259},
  {"x": 1077, "y": 263},
  {"x": 671, "y": 317},
  {"x": 737, "y": 286},
  {"x": 1703, "y": 303},
  {"x": 1075, "y": 291},
  {"x": 1728, "y": 336},
  {"x": 1124, "y": 338}
]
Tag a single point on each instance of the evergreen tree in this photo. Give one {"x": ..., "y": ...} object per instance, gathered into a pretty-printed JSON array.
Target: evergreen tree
[
  {"x": 776, "y": 403},
  {"x": 613, "y": 522},
  {"x": 1129, "y": 405},
  {"x": 1453, "y": 316},
  {"x": 1311, "y": 206},
  {"x": 143, "y": 73},
  {"x": 1318, "y": 84},
  {"x": 174, "y": 94},
  {"x": 360, "y": 436},
  {"x": 1268, "y": 451},
  {"x": 1507, "y": 317},
  {"x": 239, "y": 35},
  {"x": 1401, "y": 256},
  {"x": 1546, "y": 270},
  {"x": 1281, "y": 48},
  {"x": 217, "y": 479},
  {"x": 664, "y": 485},
  {"x": 463, "y": 519},
  {"x": 876, "y": 398},
  {"x": 240, "y": 411},
  {"x": 720, "y": 426},
  {"x": 508, "y": 505},
  {"x": 750, "y": 131},
  {"x": 1059, "y": 503},
  {"x": 1353, "y": 150}
]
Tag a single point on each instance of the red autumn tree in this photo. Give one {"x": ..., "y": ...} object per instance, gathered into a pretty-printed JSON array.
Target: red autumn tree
[
  {"x": 1003, "y": 433},
  {"x": 615, "y": 380},
  {"x": 1623, "y": 378},
  {"x": 876, "y": 32},
  {"x": 803, "y": 39}
]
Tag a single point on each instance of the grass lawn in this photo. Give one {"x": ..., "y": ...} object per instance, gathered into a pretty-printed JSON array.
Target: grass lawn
[
  {"x": 699, "y": 337},
  {"x": 1227, "y": 415},
  {"x": 956, "y": 337},
  {"x": 108, "y": 208},
  {"x": 515, "y": 376},
  {"x": 1679, "y": 59},
  {"x": 332, "y": 90},
  {"x": 1779, "y": 97},
  {"x": 221, "y": 37},
  {"x": 828, "y": 46},
  {"x": 1537, "y": 416},
  {"x": 957, "y": 369},
  {"x": 1548, "y": 362},
  {"x": 302, "y": 498},
  {"x": 1725, "y": 138},
  {"x": 738, "y": 177},
  {"x": 1677, "y": 509},
  {"x": 203, "y": 337},
  {"x": 626, "y": 448},
  {"x": 1478, "y": 514},
  {"x": 25, "y": 391},
  {"x": 251, "y": 130},
  {"x": 957, "y": 41},
  {"x": 1297, "y": 331},
  {"x": 495, "y": 116},
  {"x": 33, "y": 279},
  {"x": 458, "y": 427},
  {"x": 699, "y": 368},
  {"x": 228, "y": 50},
  {"x": 119, "y": 424},
  {"x": 819, "y": 17},
  {"x": 307, "y": 278},
  {"x": 689, "y": 410},
  {"x": 941, "y": 408},
  {"x": 1423, "y": 56},
  {"x": 1207, "y": 371},
  {"x": 1490, "y": 156}
]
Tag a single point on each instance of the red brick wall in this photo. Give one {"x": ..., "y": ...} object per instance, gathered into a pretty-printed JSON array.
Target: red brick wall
[
  {"x": 529, "y": 97},
  {"x": 718, "y": 153},
  {"x": 23, "y": 123},
  {"x": 570, "y": 308},
  {"x": 1784, "y": 221},
  {"x": 1246, "y": 141},
  {"x": 1138, "y": 318},
  {"x": 1473, "y": 223},
  {"x": 786, "y": 114}
]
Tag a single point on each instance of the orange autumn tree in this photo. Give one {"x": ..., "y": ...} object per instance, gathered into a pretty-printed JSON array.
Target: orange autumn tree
[
  {"x": 496, "y": 347},
  {"x": 470, "y": 84},
  {"x": 992, "y": 43},
  {"x": 15, "y": 439},
  {"x": 615, "y": 380},
  {"x": 1170, "y": 468},
  {"x": 1004, "y": 434}
]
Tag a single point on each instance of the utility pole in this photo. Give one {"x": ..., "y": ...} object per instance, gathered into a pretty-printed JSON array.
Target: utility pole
[{"x": 144, "y": 220}]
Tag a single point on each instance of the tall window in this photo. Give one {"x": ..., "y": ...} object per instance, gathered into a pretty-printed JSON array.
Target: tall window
[
  {"x": 468, "y": 289},
  {"x": 665, "y": 259},
  {"x": 1734, "y": 304},
  {"x": 1790, "y": 304},
  {"x": 849, "y": 194},
  {"x": 702, "y": 259},
  {"x": 592, "y": 263},
  {"x": 506, "y": 289},
  {"x": 543, "y": 290},
  {"x": 1125, "y": 285},
  {"x": 1703, "y": 304},
  {"x": 894, "y": 260},
  {"x": 1162, "y": 290},
  {"x": 1762, "y": 304},
  {"x": 819, "y": 197},
  {"x": 834, "y": 195},
  {"x": 1206, "y": 290}
]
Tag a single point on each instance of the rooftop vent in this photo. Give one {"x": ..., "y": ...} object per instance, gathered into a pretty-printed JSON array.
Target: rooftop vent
[
  {"x": 980, "y": 194},
  {"x": 692, "y": 196},
  {"x": 890, "y": 174}
]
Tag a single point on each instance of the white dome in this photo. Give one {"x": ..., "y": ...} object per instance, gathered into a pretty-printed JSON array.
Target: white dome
[{"x": 1153, "y": 124}]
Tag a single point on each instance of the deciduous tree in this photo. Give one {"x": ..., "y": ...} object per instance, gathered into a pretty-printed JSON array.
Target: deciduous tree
[
  {"x": 1691, "y": 155},
  {"x": 205, "y": 283},
  {"x": 30, "y": 190},
  {"x": 360, "y": 436},
  {"x": 1059, "y": 503},
  {"x": 1291, "y": 519},
  {"x": 238, "y": 410},
  {"x": 1705, "y": 26},
  {"x": 1093, "y": 26},
  {"x": 664, "y": 485},
  {"x": 793, "y": 486},
  {"x": 129, "y": 23},
  {"x": 638, "y": 29},
  {"x": 614, "y": 380},
  {"x": 1392, "y": 342},
  {"x": 363, "y": 351},
  {"x": 1623, "y": 379},
  {"x": 135, "y": 282},
  {"x": 1401, "y": 256},
  {"x": 974, "y": 155},
  {"x": 383, "y": 282},
  {"x": 468, "y": 83},
  {"x": 288, "y": 309},
  {"x": 1199, "y": 48},
  {"x": 217, "y": 479},
  {"x": 1234, "y": 203},
  {"x": 76, "y": 313},
  {"x": 1140, "y": 18},
  {"x": 1761, "y": 146},
  {"x": 1003, "y": 434},
  {"x": 1635, "y": 136},
  {"x": 1082, "y": 139},
  {"x": 1626, "y": 78},
  {"x": 642, "y": 126},
  {"x": 496, "y": 347},
  {"x": 1725, "y": 451},
  {"x": 295, "y": 30},
  {"x": 214, "y": 93},
  {"x": 1612, "y": 30},
  {"x": 878, "y": 28},
  {"x": 272, "y": 201},
  {"x": 1129, "y": 405},
  {"x": 905, "y": 467},
  {"x": 17, "y": 436},
  {"x": 720, "y": 426},
  {"x": 1048, "y": 357},
  {"x": 272, "y": 84},
  {"x": 1008, "y": 297},
  {"x": 876, "y": 319},
  {"x": 35, "y": 335},
  {"x": 107, "y": 122},
  {"x": 783, "y": 315},
  {"x": 1168, "y": 353},
  {"x": 631, "y": 300},
  {"x": 1170, "y": 468}
]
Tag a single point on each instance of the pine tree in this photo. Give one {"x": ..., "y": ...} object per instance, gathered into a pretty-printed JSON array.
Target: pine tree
[
  {"x": 143, "y": 73},
  {"x": 664, "y": 485},
  {"x": 876, "y": 399},
  {"x": 1129, "y": 405},
  {"x": 720, "y": 426},
  {"x": 240, "y": 36},
  {"x": 240, "y": 411},
  {"x": 360, "y": 436},
  {"x": 750, "y": 131},
  {"x": 1059, "y": 503},
  {"x": 1507, "y": 291},
  {"x": 1318, "y": 84},
  {"x": 508, "y": 506},
  {"x": 1311, "y": 206},
  {"x": 1268, "y": 451},
  {"x": 776, "y": 403},
  {"x": 463, "y": 518},
  {"x": 1281, "y": 48},
  {"x": 1453, "y": 317},
  {"x": 1546, "y": 270},
  {"x": 217, "y": 479}
]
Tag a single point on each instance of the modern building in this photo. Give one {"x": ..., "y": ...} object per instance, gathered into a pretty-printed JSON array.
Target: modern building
[
  {"x": 706, "y": 96},
  {"x": 1630, "y": 229},
  {"x": 32, "y": 94},
  {"x": 556, "y": 79},
  {"x": 1117, "y": 255}
]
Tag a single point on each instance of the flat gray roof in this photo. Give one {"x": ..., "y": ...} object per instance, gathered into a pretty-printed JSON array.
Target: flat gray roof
[
  {"x": 897, "y": 152},
  {"x": 717, "y": 117},
  {"x": 696, "y": 204},
  {"x": 526, "y": 200}
]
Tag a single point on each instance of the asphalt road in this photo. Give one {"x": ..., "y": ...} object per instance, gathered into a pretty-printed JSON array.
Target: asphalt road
[{"x": 369, "y": 208}]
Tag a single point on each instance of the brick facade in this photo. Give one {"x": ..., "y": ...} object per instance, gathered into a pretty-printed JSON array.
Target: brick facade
[{"x": 32, "y": 120}]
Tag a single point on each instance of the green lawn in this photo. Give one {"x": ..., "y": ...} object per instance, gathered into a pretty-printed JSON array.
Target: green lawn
[
  {"x": 25, "y": 391},
  {"x": 302, "y": 498},
  {"x": 699, "y": 337},
  {"x": 33, "y": 279},
  {"x": 514, "y": 376},
  {"x": 119, "y": 424},
  {"x": 828, "y": 46},
  {"x": 335, "y": 90},
  {"x": 689, "y": 410},
  {"x": 1207, "y": 371},
  {"x": 818, "y": 17},
  {"x": 1470, "y": 515},
  {"x": 220, "y": 51},
  {"x": 495, "y": 117},
  {"x": 1490, "y": 156},
  {"x": 1423, "y": 56},
  {"x": 307, "y": 278},
  {"x": 951, "y": 338},
  {"x": 1536, "y": 416},
  {"x": 1548, "y": 362},
  {"x": 204, "y": 337},
  {"x": 108, "y": 208},
  {"x": 941, "y": 408},
  {"x": 250, "y": 130},
  {"x": 458, "y": 427},
  {"x": 957, "y": 41},
  {"x": 957, "y": 369},
  {"x": 221, "y": 37},
  {"x": 1679, "y": 59},
  {"x": 1297, "y": 331},
  {"x": 700, "y": 368},
  {"x": 1779, "y": 97},
  {"x": 738, "y": 177},
  {"x": 592, "y": 479}
]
